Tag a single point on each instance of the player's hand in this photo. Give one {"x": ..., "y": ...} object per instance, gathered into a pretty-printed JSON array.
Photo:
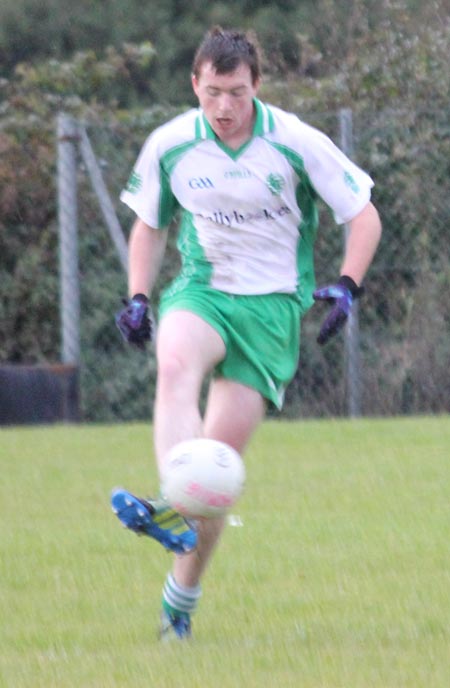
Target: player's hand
[
  {"x": 340, "y": 296},
  {"x": 134, "y": 322}
]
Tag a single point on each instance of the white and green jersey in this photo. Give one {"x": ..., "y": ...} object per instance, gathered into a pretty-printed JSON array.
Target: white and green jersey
[{"x": 249, "y": 216}]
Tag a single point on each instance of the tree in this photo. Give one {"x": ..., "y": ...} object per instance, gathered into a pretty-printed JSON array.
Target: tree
[{"x": 391, "y": 72}]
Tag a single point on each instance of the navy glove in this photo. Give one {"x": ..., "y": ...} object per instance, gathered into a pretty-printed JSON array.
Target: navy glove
[
  {"x": 133, "y": 321},
  {"x": 340, "y": 296}
]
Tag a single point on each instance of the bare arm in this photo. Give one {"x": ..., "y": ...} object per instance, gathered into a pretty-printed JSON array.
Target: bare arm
[
  {"x": 146, "y": 250},
  {"x": 362, "y": 242}
]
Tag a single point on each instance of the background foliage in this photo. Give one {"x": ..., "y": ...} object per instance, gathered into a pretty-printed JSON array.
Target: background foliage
[{"x": 123, "y": 67}]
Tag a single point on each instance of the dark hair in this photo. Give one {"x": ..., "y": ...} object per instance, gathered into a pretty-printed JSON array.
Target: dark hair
[{"x": 226, "y": 50}]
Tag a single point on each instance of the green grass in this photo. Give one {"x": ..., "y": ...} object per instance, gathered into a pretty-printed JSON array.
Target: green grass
[{"x": 339, "y": 577}]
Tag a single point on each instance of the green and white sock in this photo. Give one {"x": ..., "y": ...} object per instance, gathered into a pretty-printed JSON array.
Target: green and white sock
[{"x": 179, "y": 600}]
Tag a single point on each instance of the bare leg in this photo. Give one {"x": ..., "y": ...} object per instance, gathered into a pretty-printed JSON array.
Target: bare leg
[
  {"x": 233, "y": 412},
  {"x": 187, "y": 349}
]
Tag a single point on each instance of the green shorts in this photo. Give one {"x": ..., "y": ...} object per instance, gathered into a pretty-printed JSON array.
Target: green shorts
[{"x": 261, "y": 334}]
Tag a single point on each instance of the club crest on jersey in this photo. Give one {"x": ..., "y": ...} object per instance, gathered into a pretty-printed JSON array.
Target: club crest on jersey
[{"x": 275, "y": 183}]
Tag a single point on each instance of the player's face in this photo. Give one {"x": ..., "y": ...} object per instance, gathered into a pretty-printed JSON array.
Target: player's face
[{"x": 227, "y": 101}]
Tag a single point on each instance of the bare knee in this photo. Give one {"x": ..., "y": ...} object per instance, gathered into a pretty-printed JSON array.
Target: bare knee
[
  {"x": 175, "y": 377},
  {"x": 171, "y": 367}
]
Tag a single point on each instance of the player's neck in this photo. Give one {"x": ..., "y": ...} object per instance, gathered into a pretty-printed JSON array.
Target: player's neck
[
  {"x": 237, "y": 139},
  {"x": 236, "y": 142}
]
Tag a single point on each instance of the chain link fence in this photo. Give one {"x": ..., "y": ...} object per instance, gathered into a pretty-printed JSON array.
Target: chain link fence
[{"x": 400, "y": 351}]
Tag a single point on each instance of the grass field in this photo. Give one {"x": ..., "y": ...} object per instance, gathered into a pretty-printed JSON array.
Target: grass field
[{"x": 338, "y": 578}]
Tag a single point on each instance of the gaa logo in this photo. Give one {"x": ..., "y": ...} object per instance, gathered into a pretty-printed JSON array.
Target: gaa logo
[{"x": 201, "y": 183}]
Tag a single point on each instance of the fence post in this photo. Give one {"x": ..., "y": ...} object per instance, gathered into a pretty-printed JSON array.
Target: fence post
[
  {"x": 352, "y": 339},
  {"x": 67, "y": 135},
  {"x": 107, "y": 208}
]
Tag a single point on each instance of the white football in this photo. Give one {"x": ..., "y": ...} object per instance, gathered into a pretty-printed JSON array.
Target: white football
[{"x": 202, "y": 478}]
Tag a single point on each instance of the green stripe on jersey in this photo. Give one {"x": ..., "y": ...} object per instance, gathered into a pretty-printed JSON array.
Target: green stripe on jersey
[
  {"x": 171, "y": 157},
  {"x": 306, "y": 196},
  {"x": 167, "y": 201},
  {"x": 168, "y": 204},
  {"x": 194, "y": 260}
]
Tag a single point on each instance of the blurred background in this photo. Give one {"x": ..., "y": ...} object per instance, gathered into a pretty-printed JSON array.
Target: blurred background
[{"x": 372, "y": 75}]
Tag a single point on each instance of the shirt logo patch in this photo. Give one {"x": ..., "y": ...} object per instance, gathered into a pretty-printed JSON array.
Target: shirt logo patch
[
  {"x": 237, "y": 174},
  {"x": 201, "y": 183},
  {"x": 231, "y": 218},
  {"x": 134, "y": 183},
  {"x": 348, "y": 179},
  {"x": 275, "y": 183}
]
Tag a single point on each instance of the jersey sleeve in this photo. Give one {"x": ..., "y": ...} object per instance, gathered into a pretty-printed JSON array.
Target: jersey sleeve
[
  {"x": 344, "y": 187},
  {"x": 148, "y": 190}
]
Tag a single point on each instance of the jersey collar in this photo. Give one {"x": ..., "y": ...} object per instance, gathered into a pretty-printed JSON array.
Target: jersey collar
[
  {"x": 264, "y": 119},
  {"x": 263, "y": 122}
]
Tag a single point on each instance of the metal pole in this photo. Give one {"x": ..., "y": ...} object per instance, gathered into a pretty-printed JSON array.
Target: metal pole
[
  {"x": 352, "y": 339},
  {"x": 67, "y": 133},
  {"x": 106, "y": 206}
]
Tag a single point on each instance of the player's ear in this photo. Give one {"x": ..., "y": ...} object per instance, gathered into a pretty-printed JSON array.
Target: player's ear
[
  {"x": 257, "y": 84},
  {"x": 194, "y": 82}
]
